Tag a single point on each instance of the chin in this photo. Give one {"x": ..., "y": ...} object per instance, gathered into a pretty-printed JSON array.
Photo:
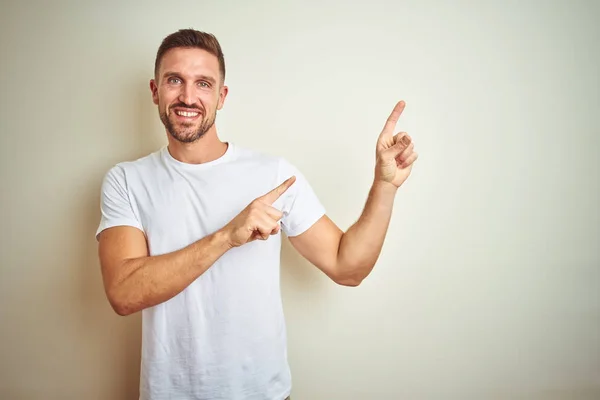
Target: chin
[{"x": 185, "y": 137}]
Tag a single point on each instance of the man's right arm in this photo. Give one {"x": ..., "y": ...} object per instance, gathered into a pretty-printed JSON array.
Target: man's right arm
[{"x": 134, "y": 281}]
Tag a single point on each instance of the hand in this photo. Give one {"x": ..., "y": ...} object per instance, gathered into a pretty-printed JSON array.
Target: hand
[
  {"x": 395, "y": 153},
  {"x": 259, "y": 219}
]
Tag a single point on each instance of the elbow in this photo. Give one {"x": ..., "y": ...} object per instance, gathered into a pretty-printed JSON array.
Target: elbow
[
  {"x": 352, "y": 275},
  {"x": 120, "y": 305},
  {"x": 349, "y": 282},
  {"x": 121, "y": 310},
  {"x": 349, "y": 279}
]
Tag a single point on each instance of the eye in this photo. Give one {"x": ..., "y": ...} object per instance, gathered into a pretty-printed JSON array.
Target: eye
[
  {"x": 204, "y": 84},
  {"x": 174, "y": 80}
]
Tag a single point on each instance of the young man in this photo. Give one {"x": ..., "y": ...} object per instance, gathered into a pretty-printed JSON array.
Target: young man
[{"x": 190, "y": 235}]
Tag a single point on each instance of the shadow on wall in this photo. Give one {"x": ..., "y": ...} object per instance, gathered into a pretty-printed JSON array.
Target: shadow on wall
[
  {"x": 301, "y": 284},
  {"x": 113, "y": 337},
  {"x": 149, "y": 129}
]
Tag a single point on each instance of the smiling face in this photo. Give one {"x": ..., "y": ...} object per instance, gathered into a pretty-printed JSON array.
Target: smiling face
[{"x": 188, "y": 90}]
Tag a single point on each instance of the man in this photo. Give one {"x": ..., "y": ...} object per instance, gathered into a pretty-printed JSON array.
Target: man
[{"x": 190, "y": 235}]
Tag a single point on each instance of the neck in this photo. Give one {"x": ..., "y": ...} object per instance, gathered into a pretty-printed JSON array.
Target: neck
[{"x": 208, "y": 148}]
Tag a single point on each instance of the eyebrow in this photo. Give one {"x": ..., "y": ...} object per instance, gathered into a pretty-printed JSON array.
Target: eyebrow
[{"x": 198, "y": 77}]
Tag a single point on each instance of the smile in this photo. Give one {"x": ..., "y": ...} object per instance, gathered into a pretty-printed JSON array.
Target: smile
[{"x": 186, "y": 113}]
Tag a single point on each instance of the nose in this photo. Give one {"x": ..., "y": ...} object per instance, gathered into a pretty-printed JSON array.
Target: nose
[{"x": 188, "y": 94}]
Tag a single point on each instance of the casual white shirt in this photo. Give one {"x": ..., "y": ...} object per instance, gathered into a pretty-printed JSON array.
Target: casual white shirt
[{"x": 224, "y": 336}]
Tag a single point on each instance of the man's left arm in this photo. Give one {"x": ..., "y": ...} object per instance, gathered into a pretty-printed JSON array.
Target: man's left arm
[{"x": 348, "y": 257}]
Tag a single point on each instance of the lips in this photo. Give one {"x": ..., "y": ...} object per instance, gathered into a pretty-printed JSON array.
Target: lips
[{"x": 186, "y": 114}]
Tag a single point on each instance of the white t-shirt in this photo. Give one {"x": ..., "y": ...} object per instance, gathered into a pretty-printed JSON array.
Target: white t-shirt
[{"x": 224, "y": 336}]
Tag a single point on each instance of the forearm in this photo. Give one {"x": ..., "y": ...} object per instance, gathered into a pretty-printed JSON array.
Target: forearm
[
  {"x": 361, "y": 244},
  {"x": 148, "y": 281}
]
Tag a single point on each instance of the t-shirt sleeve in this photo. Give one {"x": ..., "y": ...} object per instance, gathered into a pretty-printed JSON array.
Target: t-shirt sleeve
[
  {"x": 300, "y": 205},
  {"x": 115, "y": 205}
]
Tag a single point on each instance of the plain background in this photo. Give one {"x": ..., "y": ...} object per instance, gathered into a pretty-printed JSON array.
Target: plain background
[{"x": 488, "y": 286}]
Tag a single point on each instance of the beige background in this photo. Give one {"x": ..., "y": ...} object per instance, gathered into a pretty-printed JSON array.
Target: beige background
[{"x": 489, "y": 283}]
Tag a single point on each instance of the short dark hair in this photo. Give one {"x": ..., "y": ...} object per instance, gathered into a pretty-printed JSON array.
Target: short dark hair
[{"x": 191, "y": 38}]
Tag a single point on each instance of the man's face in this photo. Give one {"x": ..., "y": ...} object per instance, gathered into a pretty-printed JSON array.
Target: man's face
[{"x": 188, "y": 92}]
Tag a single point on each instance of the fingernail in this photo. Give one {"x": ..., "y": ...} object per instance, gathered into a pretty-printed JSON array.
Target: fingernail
[{"x": 405, "y": 140}]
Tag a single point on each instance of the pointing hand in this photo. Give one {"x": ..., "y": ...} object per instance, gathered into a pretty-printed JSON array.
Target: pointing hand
[
  {"x": 259, "y": 219},
  {"x": 395, "y": 153}
]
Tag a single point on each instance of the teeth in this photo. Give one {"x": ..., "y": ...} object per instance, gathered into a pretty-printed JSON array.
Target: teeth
[{"x": 187, "y": 113}]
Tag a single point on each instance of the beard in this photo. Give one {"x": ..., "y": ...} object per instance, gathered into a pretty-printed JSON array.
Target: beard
[{"x": 187, "y": 132}]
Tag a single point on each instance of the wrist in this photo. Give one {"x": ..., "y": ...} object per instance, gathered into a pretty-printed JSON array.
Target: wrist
[
  {"x": 223, "y": 238},
  {"x": 384, "y": 187}
]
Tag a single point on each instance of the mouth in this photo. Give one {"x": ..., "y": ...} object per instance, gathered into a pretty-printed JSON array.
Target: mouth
[{"x": 186, "y": 115}]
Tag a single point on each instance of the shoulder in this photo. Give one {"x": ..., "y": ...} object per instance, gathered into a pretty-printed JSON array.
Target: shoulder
[
  {"x": 146, "y": 162},
  {"x": 248, "y": 154},
  {"x": 251, "y": 157},
  {"x": 254, "y": 153},
  {"x": 121, "y": 171}
]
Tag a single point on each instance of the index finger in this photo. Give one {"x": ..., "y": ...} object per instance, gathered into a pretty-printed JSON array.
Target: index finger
[
  {"x": 274, "y": 194},
  {"x": 390, "y": 124}
]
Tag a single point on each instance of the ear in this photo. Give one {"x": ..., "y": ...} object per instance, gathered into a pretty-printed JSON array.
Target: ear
[
  {"x": 154, "y": 91},
  {"x": 222, "y": 95}
]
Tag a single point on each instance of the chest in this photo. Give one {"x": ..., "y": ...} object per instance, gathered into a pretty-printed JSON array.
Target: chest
[{"x": 176, "y": 211}]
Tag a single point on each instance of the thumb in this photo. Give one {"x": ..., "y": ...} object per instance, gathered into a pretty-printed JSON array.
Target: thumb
[{"x": 401, "y": 144}]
